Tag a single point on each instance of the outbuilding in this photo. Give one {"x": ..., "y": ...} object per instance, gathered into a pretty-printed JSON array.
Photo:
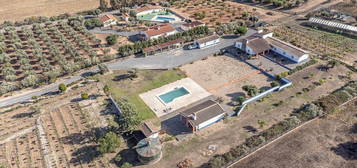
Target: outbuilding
[
  {"x": 207, "y": 41},
  {"x": 202, "y": 115},
  {"x": 108, "y": 20}
]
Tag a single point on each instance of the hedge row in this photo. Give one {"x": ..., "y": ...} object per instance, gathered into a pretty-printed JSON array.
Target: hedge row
[
  {"x": 300, "y": 67},
  {"x": 307, "y": 112}
]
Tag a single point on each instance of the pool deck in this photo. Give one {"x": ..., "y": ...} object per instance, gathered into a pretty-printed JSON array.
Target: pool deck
[{"x": 151, "y": 98}]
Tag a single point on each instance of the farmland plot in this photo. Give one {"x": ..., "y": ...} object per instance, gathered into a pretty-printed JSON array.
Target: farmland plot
[{"x": 41, "y": 53}]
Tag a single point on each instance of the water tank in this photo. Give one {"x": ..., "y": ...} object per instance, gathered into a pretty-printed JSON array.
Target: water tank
[{"x": 149, "y": 150}]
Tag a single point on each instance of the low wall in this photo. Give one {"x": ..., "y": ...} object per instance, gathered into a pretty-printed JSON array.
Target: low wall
[{"x": 116, "y": 105}]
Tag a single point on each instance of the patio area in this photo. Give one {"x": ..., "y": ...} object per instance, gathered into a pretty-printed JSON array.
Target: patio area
[{"x": 173, "y": 96}]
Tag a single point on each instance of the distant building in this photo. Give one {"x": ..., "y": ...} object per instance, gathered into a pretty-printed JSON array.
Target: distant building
[
  {"x": 263, "y": 43},
  {"x": 207, "y": 41},
  {"x": 202, "y": 115},
  {"x": 159, "y": 31},
  {"x": 333, "y": 26},
  {"x": 108, "y": 20},
  {"x": 188, "y": 26},
  {"x": 146, "y": 9}
]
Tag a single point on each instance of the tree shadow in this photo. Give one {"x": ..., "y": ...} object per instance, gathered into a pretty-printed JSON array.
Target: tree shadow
[
  {"x": 250, "y": 129},
  {"x": 85, "y": 154},
  {"x": 122, "y": 77},
  {"x": 347, "y": 150},
  {"x": 128, "y": 156},
  {"x": 84, "y": 137},
  {"x": 24, "y": 115}
]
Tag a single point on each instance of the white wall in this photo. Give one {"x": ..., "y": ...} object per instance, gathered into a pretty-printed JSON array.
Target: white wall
[
  {"x": 148, "y": 11},
  {"x": 210, "y": 121},
  {"x": 109, "y": 22},
  {"x": 290, "y": 55},
  {"x": 248, "y": 50},
  {"x": 202, "y": 45}
]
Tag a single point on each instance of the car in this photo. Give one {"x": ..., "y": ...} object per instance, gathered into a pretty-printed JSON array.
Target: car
[{"x": 192, "y": 46}]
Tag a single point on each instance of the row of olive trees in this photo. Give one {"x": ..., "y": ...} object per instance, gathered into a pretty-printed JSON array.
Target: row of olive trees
[{"x": 139, "y": 46}]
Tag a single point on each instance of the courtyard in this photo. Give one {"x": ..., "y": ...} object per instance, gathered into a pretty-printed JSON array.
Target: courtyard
[{"x": 224, "y": 76}]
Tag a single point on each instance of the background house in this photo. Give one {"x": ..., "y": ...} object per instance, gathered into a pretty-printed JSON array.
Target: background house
[
  {"x": 202, "y": 115},
  {"x": 108, "y": 20},
  {"x": 146, "y": 9},
  {"x": 191, "y": 25},
  {"x": 207, "y": 41},
  {"x": 263, "y": 43},
  {"x": 159, "y": 31}
]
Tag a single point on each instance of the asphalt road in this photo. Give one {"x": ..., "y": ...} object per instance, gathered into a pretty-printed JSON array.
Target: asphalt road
[{"x": 165, "y": 60}]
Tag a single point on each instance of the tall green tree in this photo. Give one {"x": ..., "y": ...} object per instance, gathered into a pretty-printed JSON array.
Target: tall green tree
[{"x": 129, "y": 118}]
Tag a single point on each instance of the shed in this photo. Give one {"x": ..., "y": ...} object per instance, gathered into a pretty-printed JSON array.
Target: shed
[
  {"x": 207, "y": 41},
  {"x": 202, "y": 115}
]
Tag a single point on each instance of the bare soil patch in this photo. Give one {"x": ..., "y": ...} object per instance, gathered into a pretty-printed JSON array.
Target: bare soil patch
[
  {"x": 224, "y": 76},
  {"x": 17, "y": 10},
  {"x": 217, "y": 12},
  {"x": 322, "y": 143}
]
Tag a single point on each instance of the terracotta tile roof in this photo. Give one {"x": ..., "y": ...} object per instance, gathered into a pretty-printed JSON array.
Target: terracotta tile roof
[
  {"x": 147, "y": 7},
  {"x": 105, "y": 18},
  {"x": 159, "y": 29},
  {"x": 286, "y": 47},
  {"x": 259, "y": 45},
  {"x": 163, "y": 45},
  {"x": 193, "y": 24},
  {"x": 207, "y": 39},
  {"x": 203, "y": 111}
]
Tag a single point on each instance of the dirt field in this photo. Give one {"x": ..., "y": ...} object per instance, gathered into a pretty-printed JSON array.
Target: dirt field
[
  {"x": 60, "y": 135},
  {"x": 221, "y": 12},
  {"x": 224, "y": 76},
  {"x": 16, "y": 10},
  {"x": 327, "y": 143}
]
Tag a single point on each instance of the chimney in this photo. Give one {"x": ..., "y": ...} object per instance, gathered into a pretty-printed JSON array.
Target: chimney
[
  {"x": 194, "y": 117},
  {"x": 244, "y": 44}
]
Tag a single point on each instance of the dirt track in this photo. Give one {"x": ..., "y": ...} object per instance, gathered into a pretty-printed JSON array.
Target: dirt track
[{"x": 16, "y": 10}]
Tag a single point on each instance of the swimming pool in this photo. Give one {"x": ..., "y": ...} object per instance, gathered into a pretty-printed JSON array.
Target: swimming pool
[
  {"x": 172, "y": 95},
  {"x": 162, "y": 18}
]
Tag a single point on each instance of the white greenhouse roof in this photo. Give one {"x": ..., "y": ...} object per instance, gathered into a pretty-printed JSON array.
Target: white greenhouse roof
[{"x": 333, "y": 24}]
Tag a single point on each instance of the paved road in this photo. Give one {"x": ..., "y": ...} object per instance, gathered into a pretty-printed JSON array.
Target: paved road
[{"x": 165, "y": 60}]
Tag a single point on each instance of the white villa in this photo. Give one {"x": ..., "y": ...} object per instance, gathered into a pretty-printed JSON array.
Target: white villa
[{"x": 262, "y": 43}]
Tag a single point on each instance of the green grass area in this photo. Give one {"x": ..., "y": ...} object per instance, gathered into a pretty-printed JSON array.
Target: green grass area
[{"x": 147, "y": 80}]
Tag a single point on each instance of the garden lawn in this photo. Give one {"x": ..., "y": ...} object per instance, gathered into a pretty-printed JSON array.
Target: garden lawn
[{"x": 147, "y": 80}]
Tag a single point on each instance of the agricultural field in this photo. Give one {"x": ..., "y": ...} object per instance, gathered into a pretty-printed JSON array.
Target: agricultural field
[
  {"x": 59, "y": 134},
  {"x": 316, "y": 41},
  {"x": 217, "y": 12},
  {"x": 31, "y": 55},
  {"x": 18, "y": 10},
  {"x": 327, "y": 142}
]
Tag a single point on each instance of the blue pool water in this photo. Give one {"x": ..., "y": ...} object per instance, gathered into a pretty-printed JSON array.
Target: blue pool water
[
  {"x": 164, "y": 18},
  {"x": 170, "y": 96}
]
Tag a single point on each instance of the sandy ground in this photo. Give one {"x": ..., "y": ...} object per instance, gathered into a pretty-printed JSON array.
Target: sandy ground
[
  {"x": 16, "y": 10},
  {"x": 317, "y": 144},
  {"x": 224, "y": 76}
]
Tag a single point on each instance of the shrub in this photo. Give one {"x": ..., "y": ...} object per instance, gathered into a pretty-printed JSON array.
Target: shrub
[
  {"x": 242, "y": 30},
  {"x": 250, "y": 89},
  {"x": 62, "y": 87},
  {"x": 308, "y": 112},
  {"x": 84, "y": 96},
  {"x": 254, "y": 141},
  {"x": 91, "y": 23},
  {"x": 217, "y": 162},
  {"x": 111, "y": 39},
  {"x": 239, "y": 151},
  {"x": 274, "y": 83},
  {"x": 126, "y": 165},
  {"x": 103, "y": 68},
  {"x": 109, "y": 143}
]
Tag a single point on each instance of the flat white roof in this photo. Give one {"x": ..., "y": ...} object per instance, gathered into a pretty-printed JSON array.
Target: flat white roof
[{"x": 333, "y": 24}]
